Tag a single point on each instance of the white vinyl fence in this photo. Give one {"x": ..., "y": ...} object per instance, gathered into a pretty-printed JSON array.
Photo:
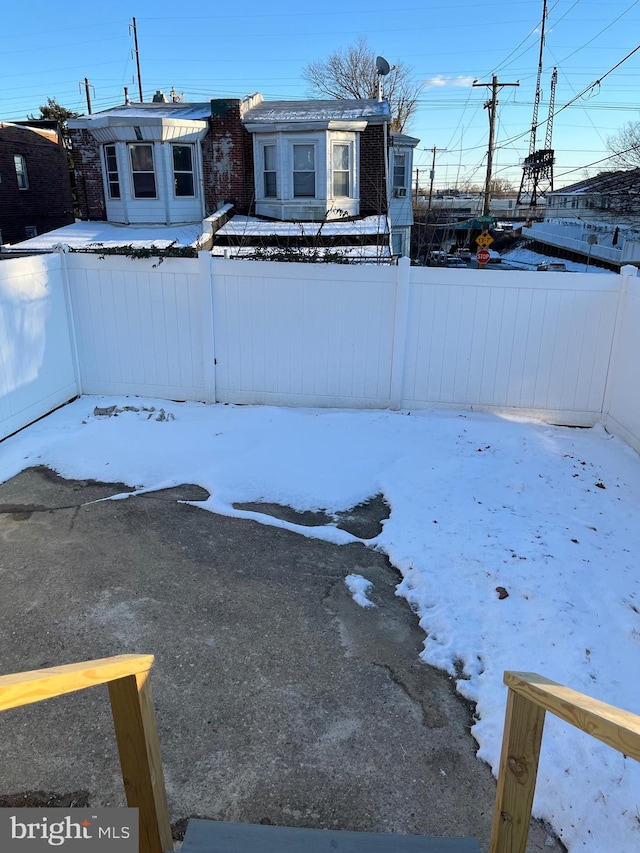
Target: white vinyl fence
[
  {"x": 37, "y": 367},
  {"x": 341, "y": 336}
]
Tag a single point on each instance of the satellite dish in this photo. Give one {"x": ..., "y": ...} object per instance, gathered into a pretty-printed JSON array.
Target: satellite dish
[{"x": 382, "y": 66}]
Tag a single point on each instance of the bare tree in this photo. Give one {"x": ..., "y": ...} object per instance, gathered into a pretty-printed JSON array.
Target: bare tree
[
  {"x": 625, "y": 146},
  {"x": 351, "y": 73}
]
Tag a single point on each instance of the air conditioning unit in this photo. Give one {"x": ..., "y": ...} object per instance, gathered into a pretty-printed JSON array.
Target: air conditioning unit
[{"x": 399, "y": 192}]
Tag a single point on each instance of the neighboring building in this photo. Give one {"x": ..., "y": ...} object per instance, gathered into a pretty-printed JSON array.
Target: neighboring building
[
  {"x": 598, "y": 219},
  {"x": 35, "y": 183},
  {"x": 271, "y": 162},
  {"x": 610, "y": 197}
]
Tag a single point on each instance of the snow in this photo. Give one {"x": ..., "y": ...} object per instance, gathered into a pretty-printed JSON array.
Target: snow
[
  {"x": 527, "y": 259},
  {"x": 359, "y": 587},
  {"x": 250, "y": 227},
  {"x": 478, "y": 503},
  {"x": 80, "y": 235}
]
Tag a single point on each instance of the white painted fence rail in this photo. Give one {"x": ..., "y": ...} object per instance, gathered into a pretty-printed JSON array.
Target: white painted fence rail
[{"x": 322, "y": 335}]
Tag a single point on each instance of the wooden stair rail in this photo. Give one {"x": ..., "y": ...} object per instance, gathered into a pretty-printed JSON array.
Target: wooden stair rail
[
  {"x": 529, "y": 697},
  {"x": 128, "y": 677}
]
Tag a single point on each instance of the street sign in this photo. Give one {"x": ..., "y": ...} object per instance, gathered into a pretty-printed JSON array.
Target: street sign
[
  {"x": 482, "y": 256},
  {"x": 484, "y": 240}
]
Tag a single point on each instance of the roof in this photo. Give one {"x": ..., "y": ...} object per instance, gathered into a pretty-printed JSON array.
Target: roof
[
  {"x": 82, "y": 235},
  {"x": 313, "y": 109},
  {"x": 625, "y": 180},
  {"x": 178, "y": 110}
]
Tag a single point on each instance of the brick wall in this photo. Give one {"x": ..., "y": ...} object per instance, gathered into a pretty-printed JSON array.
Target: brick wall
[
  {"x": 373, "y": 191},
  {"x": 47, "y": 203},
  {"x": 227, "y": 155},
  {"x": 89, "y": 184}
]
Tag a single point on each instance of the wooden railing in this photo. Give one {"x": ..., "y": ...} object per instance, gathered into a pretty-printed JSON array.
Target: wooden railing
[
  {"x": 128, "y": 677},
  {"x": 529, "y": 697}
]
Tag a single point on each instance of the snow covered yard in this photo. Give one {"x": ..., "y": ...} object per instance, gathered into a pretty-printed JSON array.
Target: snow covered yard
[{"x": 517, "y": 542}]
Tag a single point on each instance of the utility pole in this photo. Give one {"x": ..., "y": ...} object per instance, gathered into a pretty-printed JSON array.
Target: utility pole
[
  {"x": 86, "y": 86},
  {"x": 137, "y": 55},
  {"x": 492, "y": 106},
  {"x": 417, "y": 184},
  {"x": 432, "y": 173}
]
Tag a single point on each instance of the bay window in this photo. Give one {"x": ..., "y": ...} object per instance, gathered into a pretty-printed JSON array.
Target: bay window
[
  {"x": 304, "y": 171},
  {"x": 270, "y": 165},
  {"x": 341, "y": 170},
  {"x": 143, "y": 171},
  {"x": 183, "y": 183},
  {"x": 113, "y": 179}
]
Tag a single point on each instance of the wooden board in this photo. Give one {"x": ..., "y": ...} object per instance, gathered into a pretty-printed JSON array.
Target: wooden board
[{"x": 212, "y": 836}]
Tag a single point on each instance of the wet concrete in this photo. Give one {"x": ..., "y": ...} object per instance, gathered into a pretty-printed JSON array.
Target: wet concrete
[{"x": 279, "y": 699}]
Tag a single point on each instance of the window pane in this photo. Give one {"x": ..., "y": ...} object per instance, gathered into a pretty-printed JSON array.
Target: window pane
[
  {"x": 142, "y": 158},
  {"x": 269, "y": 158},
  {"x": 340, "y": 156},
  {"x": 114, "y": 189},
  {"x": 21, "y": 171},
  {"x": 270, "y": 189},
  {"x": 399, "y": 174},
  {"x": 341, "y": 184},
  {"x": 183, "y": 183},
  {"x": 182, "y": 158},
  {"x": 144, "y": 185},
  {"x": 304, "y": 184},
  {"x": 303, "y": 159}
]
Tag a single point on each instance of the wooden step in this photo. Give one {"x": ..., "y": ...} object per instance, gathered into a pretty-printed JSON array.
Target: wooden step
[{"x": 213, "y": 836}]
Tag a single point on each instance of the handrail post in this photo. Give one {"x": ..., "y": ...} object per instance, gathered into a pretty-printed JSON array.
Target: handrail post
[
  {"x": 523, "y": 725},
  {"x": 139, "y": 750}
]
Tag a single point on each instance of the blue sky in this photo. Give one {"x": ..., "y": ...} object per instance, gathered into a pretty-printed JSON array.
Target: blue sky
[{"x": 211, "y": 51}]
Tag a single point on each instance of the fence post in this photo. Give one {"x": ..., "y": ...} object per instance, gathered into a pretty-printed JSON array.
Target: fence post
[
  {"x": 139, "y": 749},
  {"x": 62, "y": 253},
  {"x": 517, "y": 774},
  {"x": 205, "y": 270},
  {"x": 399, "y": 349},
  {"x": 626, "y": 272}
]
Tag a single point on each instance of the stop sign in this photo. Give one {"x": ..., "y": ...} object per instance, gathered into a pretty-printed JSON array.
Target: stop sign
[{"x": 482, "y": 256}]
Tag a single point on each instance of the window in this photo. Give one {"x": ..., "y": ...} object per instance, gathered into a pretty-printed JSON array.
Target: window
[
  {"x": 341, "y": 170},
  {"x": 269, "y": 154},
  {"x": 112, "y": 171},
  {"x": 399, "y": 170},
  {"x": 304, "y": 171},
  {"x": 21, "y": 171},
  {"x": 183, "y": 184},
  {"x": 30, "y": 231},
  {"x": 142, "y": 171}
]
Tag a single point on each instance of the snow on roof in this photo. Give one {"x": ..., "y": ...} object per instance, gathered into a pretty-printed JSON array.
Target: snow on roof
[
  {"x": 82, "y": 235},
  {"x": 624, "y": 180},
  {"x": 177, "y": 110},
  {"x": 317, "y": 110},
  {"x": 250, "y": 227}
]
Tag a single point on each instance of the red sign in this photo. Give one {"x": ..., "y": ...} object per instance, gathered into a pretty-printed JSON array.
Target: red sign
[{"x": 482, "y": 256}]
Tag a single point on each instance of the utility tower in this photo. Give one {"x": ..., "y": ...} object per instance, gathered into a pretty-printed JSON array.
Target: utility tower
[{"x": 537, "y": 169}]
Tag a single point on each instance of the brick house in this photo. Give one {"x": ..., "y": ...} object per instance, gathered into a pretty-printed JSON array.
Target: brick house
[
  {"x": 265, "y": 164},
  {"x": 35, "y": 184}
]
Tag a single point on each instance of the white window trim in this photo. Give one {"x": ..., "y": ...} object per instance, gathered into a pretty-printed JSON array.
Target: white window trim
[
  {"x": 192, "y": 172},
  {"x": 22, "y": 171},
  {"x": 314, "y": 144},
  {"x": 132, "y": 194},
  {"x": 106, "y": 171},
  {"x": 352, "y": 194},
  {"x": 264, "y": 170}
]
